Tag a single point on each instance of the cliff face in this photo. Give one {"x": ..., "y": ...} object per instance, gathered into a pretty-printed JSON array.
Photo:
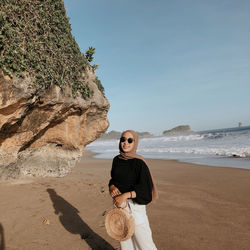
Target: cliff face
[
  {"x": 44, "y": 132},
  {"x": 51, "y": 102}
]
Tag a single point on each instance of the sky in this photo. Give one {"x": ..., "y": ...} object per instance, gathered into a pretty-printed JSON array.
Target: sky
[{"x": 165, "y": 63}]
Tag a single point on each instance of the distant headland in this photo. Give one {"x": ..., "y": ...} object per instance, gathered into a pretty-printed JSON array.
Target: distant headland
[
  {"x": 116, "y": 135},
  {"x": 178, "y": 129}
]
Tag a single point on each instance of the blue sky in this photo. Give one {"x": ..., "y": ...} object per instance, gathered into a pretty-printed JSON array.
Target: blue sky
[{"x": 168, "y": 63}]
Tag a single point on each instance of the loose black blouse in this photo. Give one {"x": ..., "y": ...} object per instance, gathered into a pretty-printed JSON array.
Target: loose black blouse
[{"x": 132, "y": 175}]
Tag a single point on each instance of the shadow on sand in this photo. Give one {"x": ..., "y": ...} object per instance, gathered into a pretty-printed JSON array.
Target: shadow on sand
[
  {"x": 2, "y": 244},
  {"x": 72, "y": 222}
]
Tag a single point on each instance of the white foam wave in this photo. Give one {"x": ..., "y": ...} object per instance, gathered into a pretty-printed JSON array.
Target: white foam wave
[
  {"x": 189, "y": 137},
  {"x": 228, "y": 152}
]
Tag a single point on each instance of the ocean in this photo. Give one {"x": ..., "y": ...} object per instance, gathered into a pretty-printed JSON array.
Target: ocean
[{"x": 228, "y": 147}]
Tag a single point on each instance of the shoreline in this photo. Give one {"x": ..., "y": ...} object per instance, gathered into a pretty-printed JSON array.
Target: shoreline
[
  {"x": 199, "y": 208},
  {"x": 227, "y": 147},
  {"x": 198, "y": 161}
]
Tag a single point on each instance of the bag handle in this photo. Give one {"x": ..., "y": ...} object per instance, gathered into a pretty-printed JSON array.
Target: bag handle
[{"x": 126, "y": 204}]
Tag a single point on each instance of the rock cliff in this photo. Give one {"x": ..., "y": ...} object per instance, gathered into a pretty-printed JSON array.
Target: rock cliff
[
  {"x": 51, "y": 102},
  {"x": 178, "y": 130},
  {"x": 43, "y": 133}
]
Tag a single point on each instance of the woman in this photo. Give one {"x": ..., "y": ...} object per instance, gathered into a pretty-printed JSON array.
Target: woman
[{"x": 131, "y": 181}]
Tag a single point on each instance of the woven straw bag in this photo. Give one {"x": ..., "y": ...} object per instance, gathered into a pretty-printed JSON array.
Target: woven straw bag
[{"x": 120, "y": 223}]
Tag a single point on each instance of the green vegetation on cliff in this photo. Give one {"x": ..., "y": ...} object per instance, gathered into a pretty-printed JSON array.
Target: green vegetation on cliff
[{"x": 36, "y": 41}]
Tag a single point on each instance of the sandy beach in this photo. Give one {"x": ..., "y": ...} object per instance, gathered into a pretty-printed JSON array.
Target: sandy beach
[{"x": 200, "y": 207}]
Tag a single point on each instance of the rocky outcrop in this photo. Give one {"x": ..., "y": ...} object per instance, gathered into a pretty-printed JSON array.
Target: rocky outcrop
[
  {"x": 51, "y": 102},
  {"x": 178, "y": 130},
  {"x": 111, "y": 135},
  {"x": 116, "y": 135},
  {"x": 44, "y": 132}
]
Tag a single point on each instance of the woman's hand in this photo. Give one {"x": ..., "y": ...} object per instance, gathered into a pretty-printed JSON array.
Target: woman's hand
[
  {"x": 114, "y": 191},
  {"x": 118, "y": 200}
]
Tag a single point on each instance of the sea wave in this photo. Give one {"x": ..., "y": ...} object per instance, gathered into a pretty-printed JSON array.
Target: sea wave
[
  {"x": 181, "y": 137},
  {"x": 227, "y": 152},
  {"x": 223, "y": 143},
  {"x": 243, "y": 152}
]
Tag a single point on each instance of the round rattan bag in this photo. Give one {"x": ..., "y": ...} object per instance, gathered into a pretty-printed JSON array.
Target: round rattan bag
[{"x": 120, "y": 223}]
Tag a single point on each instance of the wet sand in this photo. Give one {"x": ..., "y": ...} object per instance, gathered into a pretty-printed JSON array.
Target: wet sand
[{"x": 200, "y": 207}]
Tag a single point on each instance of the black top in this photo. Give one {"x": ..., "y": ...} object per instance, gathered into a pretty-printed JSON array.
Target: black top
[{"x": 132, "y": 175}]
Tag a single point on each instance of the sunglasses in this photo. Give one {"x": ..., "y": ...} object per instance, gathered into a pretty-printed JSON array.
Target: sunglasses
[{"x": 130, "y": 140}]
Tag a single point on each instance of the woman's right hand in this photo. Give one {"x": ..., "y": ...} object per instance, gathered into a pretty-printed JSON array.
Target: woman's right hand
[{"x": 114, "y": 191}]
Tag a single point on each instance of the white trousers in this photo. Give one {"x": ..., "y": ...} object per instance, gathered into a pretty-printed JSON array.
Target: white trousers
[{"x": 142, "y": 238}]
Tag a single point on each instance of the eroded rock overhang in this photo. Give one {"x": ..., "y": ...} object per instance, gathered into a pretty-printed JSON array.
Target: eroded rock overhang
[{"x": 44, "y": 132}]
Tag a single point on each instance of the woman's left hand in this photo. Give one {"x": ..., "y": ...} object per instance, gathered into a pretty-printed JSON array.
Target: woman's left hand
[{"x": 118, "y": 200}]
